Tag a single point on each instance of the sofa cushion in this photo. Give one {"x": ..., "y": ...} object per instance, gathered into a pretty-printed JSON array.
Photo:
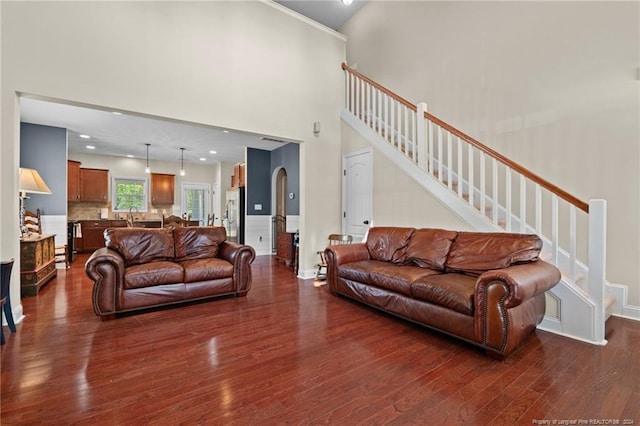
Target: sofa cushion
[
  {"x": 195, "y": 242},
  {"x": 153, "y": 274},
  {"x": 428, "y": 248},
  {"x": 454, "y": 291},
  {"x": 476, "y": 252},
  {"x": 358, "y": 271},
  {"x": 206, "y": 269},
  {"x": 388, "y": 244},
  {"x": 140, "y": 245},
  {"x": 397, "y": 278}
]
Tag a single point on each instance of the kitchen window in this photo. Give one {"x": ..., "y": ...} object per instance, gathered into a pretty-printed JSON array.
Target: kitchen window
[{"x": 129, "y": 194}]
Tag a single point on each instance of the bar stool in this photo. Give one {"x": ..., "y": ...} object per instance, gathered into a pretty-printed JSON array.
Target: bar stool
[{"x": 5, "y": 296}]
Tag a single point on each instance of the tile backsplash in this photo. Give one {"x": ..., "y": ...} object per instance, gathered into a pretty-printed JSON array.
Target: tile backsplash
[{"x": 91, "y": 211}]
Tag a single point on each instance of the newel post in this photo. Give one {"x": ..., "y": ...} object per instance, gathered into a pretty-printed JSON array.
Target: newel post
[
  {"x": 597, "y": 263},
  {"x": 421, "y": 135}
]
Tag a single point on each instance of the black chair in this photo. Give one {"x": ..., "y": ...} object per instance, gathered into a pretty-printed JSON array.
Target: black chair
[{"x": 5, "y": 297}]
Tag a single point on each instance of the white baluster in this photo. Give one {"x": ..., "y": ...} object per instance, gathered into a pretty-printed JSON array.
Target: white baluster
[
  {"x": 508, "y": 195},
  {"x": 430, "y": 144},
  {"x": 555, "y": 247},
  {"x": 414, "y": 141},
  {"x": 369, "y": 115},
  {"x": 405, "y": 111},
  {"x": 380, "y": 112},
  {"x": 450, "y": 161},
  {"x": 538, "y": 209},
  {"x": 363, "y": 92},
  {"x": 421, "y": 137},
  {"x": 572, "y": 244},
  {"x": 357, "y": 100},
  {"x": 440, "y": 177},
  {"x": 351, "y": 93},
  {"x": 459, "y": 169},
  {"x": 523, "y": 204},
  {"x": 392, "y": 115},
  {"x": 471, "y": 177},
  {"x": 494, "y": 184},
  {"x": 386, "y": 116},
  {"x": 483, "y": 187},
  {"x": 346, "y": 90}
]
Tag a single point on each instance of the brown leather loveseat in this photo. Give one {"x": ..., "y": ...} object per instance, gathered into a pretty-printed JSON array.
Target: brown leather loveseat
[
  {"x": 142, "y": 267},
  {"x": 484, "y": 288}
]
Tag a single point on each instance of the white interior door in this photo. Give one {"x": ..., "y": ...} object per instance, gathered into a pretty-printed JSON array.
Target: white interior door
[{"x": 357, "y": 183}]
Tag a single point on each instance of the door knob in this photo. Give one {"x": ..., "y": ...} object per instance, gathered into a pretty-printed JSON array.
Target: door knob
[{"x": 366, "y": 222}]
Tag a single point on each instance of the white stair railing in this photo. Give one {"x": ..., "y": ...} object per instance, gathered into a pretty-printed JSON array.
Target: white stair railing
[{"x": 507, "y": 195}]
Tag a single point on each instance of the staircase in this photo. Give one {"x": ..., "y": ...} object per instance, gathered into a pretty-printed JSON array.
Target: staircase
[{"x": 492, "y": 193}]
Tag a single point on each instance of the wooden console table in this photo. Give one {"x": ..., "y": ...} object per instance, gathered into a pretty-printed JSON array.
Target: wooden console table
[{"x": 37, "y": 263}]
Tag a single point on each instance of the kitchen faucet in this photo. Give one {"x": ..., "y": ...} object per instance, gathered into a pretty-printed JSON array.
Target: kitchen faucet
[{"x": 130, "y": 218}]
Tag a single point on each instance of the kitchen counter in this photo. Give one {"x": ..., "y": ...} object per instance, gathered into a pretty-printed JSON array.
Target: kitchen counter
[{"x": 92, "y": 231}]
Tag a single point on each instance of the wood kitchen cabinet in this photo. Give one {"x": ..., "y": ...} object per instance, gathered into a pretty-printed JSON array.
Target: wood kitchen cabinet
[
  {"x": 162, "y": 188},
  {"x": 94, "y": 185},
  {"x": 73, "y": 180},
  {"x": 239, "y": 175}
]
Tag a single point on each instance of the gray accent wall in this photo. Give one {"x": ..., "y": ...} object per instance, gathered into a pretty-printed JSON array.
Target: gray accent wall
[
  {"x": 260, "y": 167},
  {"x": 288, "y": 157},
  {"x": 44, "y": 148},
  {"x": 258, "y": 181}
]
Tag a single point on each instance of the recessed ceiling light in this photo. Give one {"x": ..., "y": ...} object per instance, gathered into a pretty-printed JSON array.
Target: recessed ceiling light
[
  {"x": 212, "y": 152},
  {"x": 347, "y": 2},
  {"x": 91, "y": 147},
  {"x": 225, "y": 131},
  {"x": 129, "y": 156},
  {"x": 203, "y": 159},
  {"x": 85, "y": 136},
  {"x": 116, "y": 113}
]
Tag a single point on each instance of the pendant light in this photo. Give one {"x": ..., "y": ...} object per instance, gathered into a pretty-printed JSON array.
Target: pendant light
[
  {"x": 182, "y": 172},
  {"x": 147, "y": 169}
]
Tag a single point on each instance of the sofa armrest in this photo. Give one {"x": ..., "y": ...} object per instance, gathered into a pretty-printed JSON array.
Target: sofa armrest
[
  {"x": 523, "y": 281},
  {"x": 340, "y": 254},
  {"x": 105, "y": 267},
  {"x": 510, "y": 303},
  {"x": 240, "y": 256}
]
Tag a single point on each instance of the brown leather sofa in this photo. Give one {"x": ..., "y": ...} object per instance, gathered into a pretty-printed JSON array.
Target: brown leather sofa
[
  {"x": 485, "y": 288},
  {"x": 143, "y": 267}
]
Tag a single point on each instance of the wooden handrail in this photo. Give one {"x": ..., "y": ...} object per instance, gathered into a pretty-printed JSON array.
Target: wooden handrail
[
  {"x": 397, "y": 97},
  {"x": 479, "y": 145}
]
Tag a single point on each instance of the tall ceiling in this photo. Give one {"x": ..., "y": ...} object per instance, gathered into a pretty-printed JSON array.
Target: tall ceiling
[
  {"x": 125, "y": 134},
  {"x": 331, "y": 13}
]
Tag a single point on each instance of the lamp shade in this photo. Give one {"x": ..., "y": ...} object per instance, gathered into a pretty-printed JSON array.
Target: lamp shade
[{"x": 31, "y": 181}]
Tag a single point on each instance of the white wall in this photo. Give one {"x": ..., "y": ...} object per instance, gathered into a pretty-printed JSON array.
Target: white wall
[
  {"x": 553, "y": 85},
  {"x": 398, "y": 200},
  {"x": 238, "y": 65}
]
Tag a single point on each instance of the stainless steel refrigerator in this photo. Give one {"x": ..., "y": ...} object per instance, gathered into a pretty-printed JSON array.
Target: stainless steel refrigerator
[{"x": 233, "y": 220}]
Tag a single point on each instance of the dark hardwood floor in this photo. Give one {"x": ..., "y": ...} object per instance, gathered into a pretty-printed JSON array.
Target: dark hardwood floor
[{"x": 291, "y": 353}]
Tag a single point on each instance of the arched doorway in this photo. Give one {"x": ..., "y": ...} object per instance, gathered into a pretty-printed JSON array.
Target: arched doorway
[{"x": 280, "y": 204}]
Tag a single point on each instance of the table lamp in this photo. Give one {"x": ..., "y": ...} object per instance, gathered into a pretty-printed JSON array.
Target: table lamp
[{"x": 29, "y": 181}]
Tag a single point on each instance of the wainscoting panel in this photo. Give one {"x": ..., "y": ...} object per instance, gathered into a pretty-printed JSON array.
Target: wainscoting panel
[{"x": 258, "y": 233}]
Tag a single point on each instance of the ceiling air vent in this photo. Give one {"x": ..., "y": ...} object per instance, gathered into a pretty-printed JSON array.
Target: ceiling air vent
[{"x": 268, "y": 139}]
